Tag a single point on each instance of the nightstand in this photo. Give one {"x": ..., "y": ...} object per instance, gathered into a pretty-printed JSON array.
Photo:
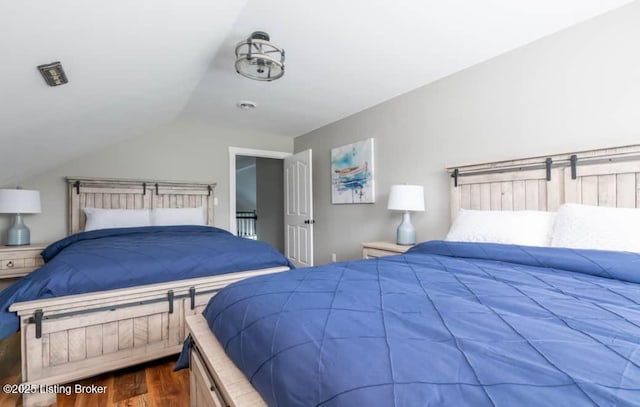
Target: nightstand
[
  {"x": 18, "y": 261},
  {"x": 371, "y": 250}
]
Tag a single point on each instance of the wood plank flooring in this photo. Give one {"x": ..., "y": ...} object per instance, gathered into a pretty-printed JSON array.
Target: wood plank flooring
[{"x": 153, "y": 384}]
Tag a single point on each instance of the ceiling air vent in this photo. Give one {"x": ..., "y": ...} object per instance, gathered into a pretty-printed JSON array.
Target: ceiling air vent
[{"x": 53, "y": 74}]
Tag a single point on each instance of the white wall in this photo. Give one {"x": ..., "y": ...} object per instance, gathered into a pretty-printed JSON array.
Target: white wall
[
  {"x": 574, "y": 90},
  {"x": 180, "y": 151}
]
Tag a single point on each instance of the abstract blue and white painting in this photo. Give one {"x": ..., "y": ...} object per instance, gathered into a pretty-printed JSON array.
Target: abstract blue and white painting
[{"x": 352, "y": 173}]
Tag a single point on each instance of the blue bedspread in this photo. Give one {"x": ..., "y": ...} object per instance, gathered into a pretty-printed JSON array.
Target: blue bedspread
[
  {"x": 117, "y": 258},
  {"x": 451, "y": 324}
]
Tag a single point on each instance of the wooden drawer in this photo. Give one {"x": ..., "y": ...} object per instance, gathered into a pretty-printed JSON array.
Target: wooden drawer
[
  {"x": 369, "y": 253},
  {"x": 18, "y": 262},
  {"x": 12, "y": 263},
  {"x": 372, "y": 250},
  {"x": 203, "y": 391}
]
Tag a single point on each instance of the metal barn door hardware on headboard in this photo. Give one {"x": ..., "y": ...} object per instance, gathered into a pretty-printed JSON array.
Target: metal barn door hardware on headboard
[
  {"x": 623, "y": 154},
  {"x": 121, "y": 182}
]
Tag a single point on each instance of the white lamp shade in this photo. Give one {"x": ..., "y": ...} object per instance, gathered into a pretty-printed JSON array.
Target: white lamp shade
[
  {"x": 19, "y": 201},
  {"x": 406, "y": 198}
]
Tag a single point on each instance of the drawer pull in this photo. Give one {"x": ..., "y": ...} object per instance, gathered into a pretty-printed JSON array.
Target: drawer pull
[{"x": 10, "y": 264}]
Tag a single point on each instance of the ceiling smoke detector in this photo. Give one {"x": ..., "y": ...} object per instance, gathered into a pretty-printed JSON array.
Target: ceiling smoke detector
[
  {"x": 259, "y": 59},
  {"x": 246, "y": 105}
]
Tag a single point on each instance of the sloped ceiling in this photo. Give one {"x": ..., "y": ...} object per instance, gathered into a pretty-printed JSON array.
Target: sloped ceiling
[
  {"x": 136, "y": 65},
  {"x": 132, "y": 66}
]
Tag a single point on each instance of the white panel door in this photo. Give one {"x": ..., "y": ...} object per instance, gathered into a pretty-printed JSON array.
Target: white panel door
[{"x": 298, "y": 209}]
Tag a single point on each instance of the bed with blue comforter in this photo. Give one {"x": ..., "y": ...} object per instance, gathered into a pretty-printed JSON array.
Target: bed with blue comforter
[
  {"x": 118, "y": 258},
  {"x": 450, "y": 324}
]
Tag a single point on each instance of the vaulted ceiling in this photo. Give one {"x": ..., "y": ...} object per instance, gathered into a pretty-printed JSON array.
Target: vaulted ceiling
[{"x": 133, "y": 66}]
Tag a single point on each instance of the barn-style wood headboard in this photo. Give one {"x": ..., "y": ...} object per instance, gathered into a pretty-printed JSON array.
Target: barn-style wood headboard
[
  {"x": 605, "y": 177},
  {"x": 134, "y": 194}
]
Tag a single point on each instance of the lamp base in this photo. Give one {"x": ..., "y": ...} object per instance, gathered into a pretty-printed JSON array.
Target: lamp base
[
  {"x": 406, "y": 233},
  {"x": 18, "y": 234}
]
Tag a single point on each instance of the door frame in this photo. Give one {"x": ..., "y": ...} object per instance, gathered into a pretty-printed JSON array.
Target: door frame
[{"x": 250, "y": 152}]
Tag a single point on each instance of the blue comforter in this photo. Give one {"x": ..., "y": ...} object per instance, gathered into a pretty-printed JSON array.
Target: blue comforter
[
  {"x": 117, "y": 258},
  {"x": 452, "y": 324}
]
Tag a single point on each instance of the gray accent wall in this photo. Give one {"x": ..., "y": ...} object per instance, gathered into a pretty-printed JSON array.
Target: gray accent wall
[
  {"x": 577, "y": 89},
  {"x": 179, "y": 151},
  {"x": 270, "y": 199}
]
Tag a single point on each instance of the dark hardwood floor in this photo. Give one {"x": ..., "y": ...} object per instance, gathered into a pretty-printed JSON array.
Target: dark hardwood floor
[{"x": 153, "y": 384}]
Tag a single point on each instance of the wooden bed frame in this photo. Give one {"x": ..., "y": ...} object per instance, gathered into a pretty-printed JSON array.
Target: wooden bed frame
[
  {"x": 69, "y": 338},
  {"x": 606, "y": 177}
]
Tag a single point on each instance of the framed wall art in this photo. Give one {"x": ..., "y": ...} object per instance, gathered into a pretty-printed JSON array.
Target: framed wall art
[{"x": 352, "y": 176}]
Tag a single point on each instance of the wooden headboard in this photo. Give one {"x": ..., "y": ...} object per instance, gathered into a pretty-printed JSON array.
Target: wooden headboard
[
  {"x": 134, "y": 194},
  {"x": 605, "y": 177}
]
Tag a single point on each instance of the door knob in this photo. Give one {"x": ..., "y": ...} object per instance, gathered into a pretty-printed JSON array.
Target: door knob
[{"x": 309, "y": 222}]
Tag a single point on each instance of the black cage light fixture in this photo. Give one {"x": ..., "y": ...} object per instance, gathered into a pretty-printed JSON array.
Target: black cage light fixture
[{"x": 259, "y": 59}]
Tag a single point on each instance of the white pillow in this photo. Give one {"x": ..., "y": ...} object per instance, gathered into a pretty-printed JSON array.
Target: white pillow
[
  {"x": 98, "y": 218},
  {"x": 177, "y": 216},
  {"x": 597, "y": 227},
  {"x": 529, "y": 228}
]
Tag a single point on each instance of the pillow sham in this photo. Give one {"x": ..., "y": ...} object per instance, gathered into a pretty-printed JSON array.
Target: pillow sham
[
  {"x": 597, "y": 227},
  {"x": 528, "y": 228},
  {"x": 98, "y": 218},
  {"x": 177, "y": 216}
]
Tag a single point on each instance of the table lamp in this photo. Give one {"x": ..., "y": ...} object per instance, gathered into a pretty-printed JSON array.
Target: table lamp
[
  {"x": 406, "y": 198},
  {"x": 19, "y": 202}
]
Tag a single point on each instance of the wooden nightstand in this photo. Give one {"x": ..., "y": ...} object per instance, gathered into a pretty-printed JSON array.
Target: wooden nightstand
[
  {"x": 18, "y": 261},
  {"x": 371, "y": 250}
]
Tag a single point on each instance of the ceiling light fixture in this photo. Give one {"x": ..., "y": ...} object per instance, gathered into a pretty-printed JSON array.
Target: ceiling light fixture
[
  {"x": 258, "y": 59},
  {"x": 246, "y": 105}
]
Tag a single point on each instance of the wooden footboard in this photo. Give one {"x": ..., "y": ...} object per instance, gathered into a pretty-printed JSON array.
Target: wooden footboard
[
  {"x": 215, "y": 379},
  {"x": 70, "y": 338}
]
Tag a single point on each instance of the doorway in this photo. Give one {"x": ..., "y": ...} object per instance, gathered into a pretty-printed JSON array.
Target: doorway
[
  {"x": 291, "y": 230},
  {"x": 256, "y": 184},
  {"x": 260, "y": 199}
]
